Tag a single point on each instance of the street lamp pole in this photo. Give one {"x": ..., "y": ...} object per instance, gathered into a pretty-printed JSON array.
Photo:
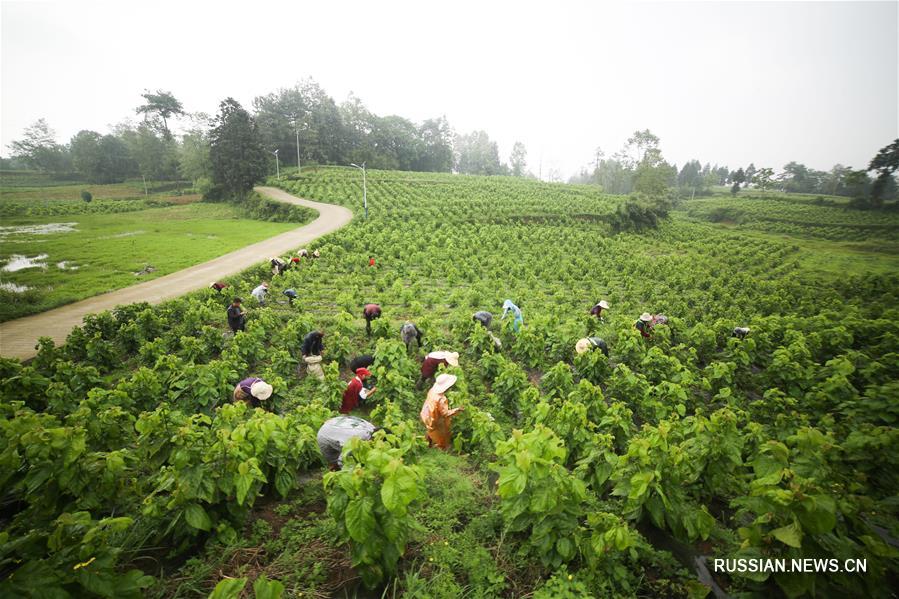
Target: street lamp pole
[
  {"x": 277, "y": 166},
  {"x": 364, "y": 188},
  {"x": 296, "y": 125}
]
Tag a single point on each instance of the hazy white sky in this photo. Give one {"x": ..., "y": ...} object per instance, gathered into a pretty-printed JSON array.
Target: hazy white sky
[{"x": 727, "y": 82}]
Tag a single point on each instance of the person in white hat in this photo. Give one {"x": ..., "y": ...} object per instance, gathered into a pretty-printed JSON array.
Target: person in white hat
[
  {"x": 740, "y": 332},
  {"x": 644, "y": 325},
  {"x": 433, "y": 361},
  {"x": 436, "y": 414},
  {"x": 598, "y": 308},
  {"x": 590, "y": 343},
  {"x": 259, "y": 293},
  {"x": 252, "y": 391}
]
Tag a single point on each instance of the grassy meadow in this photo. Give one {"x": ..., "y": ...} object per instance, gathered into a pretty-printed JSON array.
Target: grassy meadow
[{"x": 103, "y": 243}]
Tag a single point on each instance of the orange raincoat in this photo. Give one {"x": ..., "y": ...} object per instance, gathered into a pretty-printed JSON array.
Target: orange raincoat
[{"x": 437, "y": 418}]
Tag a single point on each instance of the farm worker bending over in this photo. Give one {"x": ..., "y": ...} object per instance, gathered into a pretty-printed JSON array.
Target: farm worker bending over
[
  {"x": 590, "y": 343},
  {"x": 371, "y": 261},
  {"x": 259, "y": 293},
  {"x": 313, "y": 344},
  {"x": 436, "y": 414},
  {"x": 644, "y": 325},
  {"x": 316, "y": 254},
  {"x": 370, "y": 312},
  {"x": 483, "y": 317},
  {"x": 740, "y": 332},
  {"x": 291, "y": 295},
  {"x": 237, "y": 317},
  {"x": 252, "y": 391},
  {"x": 598, "y": 308},
  {"x": 303, "y": 253},
  {"x": 356, "y": 392},
  {"x": 278, "y": 266},
  {"x": 363, "y": 361},
  {"x": 218, "y": 286},
  {"x": 335, "y": 433},
  {"x": 409, "y": 332},
  {"x": 508, "y": 306},
  {"x": 433, "y": 360}
]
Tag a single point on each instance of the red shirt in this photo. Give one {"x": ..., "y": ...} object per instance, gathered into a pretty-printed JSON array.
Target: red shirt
[
  {"x": 351, "y": 396},
  {"x": 429, "y": 367},
  {"x": 371, "y": 261}
]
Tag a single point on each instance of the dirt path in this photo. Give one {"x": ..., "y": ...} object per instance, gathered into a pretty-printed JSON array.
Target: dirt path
[{"x": 18, "y": 337}]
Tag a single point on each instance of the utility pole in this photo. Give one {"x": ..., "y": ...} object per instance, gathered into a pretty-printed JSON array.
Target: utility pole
[
  {"x": 296, "y": 125},
  {"x": 364, "y": 190},
  {"x": 277, "y": 166}
]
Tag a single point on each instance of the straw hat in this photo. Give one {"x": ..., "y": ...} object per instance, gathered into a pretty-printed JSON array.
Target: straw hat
[
  {"x": 451, "y": 357},
  {"x": 604, "y": 304},
  {"x": 582, "y": 346},
  {"x": 261, "y": 390},
  {"x": 444, "y": 382},
  {"x": 646, "y": 317}
]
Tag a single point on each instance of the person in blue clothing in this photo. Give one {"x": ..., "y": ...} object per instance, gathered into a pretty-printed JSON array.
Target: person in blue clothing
[{"x": 508, "y": 306}]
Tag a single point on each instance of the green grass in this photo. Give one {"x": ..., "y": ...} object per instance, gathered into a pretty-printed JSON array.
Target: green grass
[{"x": 109, "y": 248}]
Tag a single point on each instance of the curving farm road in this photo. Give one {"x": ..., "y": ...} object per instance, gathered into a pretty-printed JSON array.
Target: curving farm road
[{"x": 18, "y": 337}]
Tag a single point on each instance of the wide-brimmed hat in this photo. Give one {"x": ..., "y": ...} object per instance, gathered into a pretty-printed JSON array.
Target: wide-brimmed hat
[
  {"x": 603, "y": 304},
  {"x": 363, "y": 372},
  {"x": 582, "y": 346},
  {"x": 261, "y": 390},
  {"x": 444, "y": 382},
  {"x": 265, "y": 285},
  {"x": 451, "y": 357},
  {"x": 646, "y": 317}
]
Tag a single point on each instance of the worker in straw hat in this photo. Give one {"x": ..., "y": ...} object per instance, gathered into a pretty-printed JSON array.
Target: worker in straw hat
[
  {"x": 436, "y": 414},
  {"x": 591, "y": 343},
  {"x": 356, "y": 392},
  {"x": 217, "y": 286},
  {"x": 598, "y": 308},
  {"x": 252, "y": 391},
  {"x": 433, "y": 361},
  {"x": 740, "y": 332},
  {"x": 644, "y": 325}
]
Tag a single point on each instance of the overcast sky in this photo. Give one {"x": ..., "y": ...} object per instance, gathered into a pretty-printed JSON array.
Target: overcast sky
[{"x": 727, "y": 82}]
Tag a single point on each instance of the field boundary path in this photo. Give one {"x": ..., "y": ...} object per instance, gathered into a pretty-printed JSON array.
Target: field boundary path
[{"x": 18, "y": 337}]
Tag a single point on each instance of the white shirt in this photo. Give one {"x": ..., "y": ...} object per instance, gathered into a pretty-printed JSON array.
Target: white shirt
[{"x": 259, "y": 293}]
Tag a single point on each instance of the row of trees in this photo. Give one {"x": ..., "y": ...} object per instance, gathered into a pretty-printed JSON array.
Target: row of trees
[
  {"x": 303, "y": 124},
  {"x": 639, "y": 163}
]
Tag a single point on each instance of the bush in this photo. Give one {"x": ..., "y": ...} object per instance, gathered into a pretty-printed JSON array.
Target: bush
[{"x": 86, "y": 195}]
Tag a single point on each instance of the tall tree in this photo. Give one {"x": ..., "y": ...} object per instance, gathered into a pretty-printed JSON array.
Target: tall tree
[
  {"x": 235, "y": 150},
  {"x": 476, "y": 154},
  {"x": 38, "y": 149},
  {"x": 885, "y": 164},
  {"x": 161, "y": 105},
  {"x": 750, "y": 173},
  {"x": 518, "y": 161},
  {"x": 155, "y": 154},
  {"x": 437, "y": 146},
  {"x": 654, "y": 176},
  {"x": 764, "y": 178},
  {"x": 737, "y": 177},
  {"x": 638, "y": 144},
  {"x": 101, "y": 158},
  {"x": 193, "y": 154}
]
